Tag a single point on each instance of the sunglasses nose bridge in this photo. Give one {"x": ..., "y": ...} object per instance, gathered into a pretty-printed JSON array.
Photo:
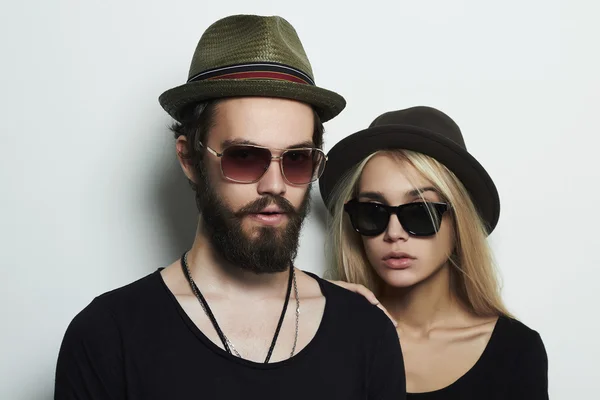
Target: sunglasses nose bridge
[
  {"x": 268, "y": 166},
  {"x": 395, "y": 230},
  {"x": 279, "y": 159}
]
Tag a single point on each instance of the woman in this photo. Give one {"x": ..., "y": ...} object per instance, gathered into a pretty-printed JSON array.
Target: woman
[{"x": 411, "y": 211}]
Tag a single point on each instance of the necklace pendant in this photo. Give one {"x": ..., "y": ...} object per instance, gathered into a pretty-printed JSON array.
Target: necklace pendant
[{"x": 229, "y": 347}]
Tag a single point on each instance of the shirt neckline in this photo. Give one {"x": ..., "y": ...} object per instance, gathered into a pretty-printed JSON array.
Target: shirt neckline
[
  {"x": 484, "y": 355},
  {"x": 319, "y": 336}
]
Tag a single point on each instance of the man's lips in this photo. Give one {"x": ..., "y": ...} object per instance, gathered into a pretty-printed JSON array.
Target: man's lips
[
  {"x": 272, "y": 209},
  {"x": 271, "y": 215}
]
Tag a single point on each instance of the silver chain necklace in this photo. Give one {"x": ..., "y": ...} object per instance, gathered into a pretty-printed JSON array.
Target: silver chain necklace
[
  {"x": 231, "y": 346},
  {"x": 237, "y": 353}
]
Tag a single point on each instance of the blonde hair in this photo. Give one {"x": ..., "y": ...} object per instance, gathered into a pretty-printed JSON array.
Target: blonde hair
[{"x": 473, "y": 274}]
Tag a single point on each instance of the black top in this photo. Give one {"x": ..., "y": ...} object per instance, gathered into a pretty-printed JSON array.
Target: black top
[
  {"x": 514, "y": 365},
  {"x": 137, "y": 343}
]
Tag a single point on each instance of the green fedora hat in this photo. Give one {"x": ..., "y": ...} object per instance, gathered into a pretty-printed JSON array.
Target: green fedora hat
[{"x": 251, "y": 55}]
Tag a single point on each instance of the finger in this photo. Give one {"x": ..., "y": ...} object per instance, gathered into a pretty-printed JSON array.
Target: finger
[
  {"x": 388, "y": 314},
  {"x": 359, "y": 289},
  {"x": 367, "y": 294},
  {"x": 345, "y": 285},
  {"x": 363, "y": 291}
]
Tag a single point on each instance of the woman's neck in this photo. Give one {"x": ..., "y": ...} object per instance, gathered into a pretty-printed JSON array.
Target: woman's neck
[{"x": 426, "y": 305}]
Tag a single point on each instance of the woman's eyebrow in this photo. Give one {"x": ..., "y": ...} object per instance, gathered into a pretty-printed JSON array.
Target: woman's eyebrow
[
  {"x": 420, "y": 191},
  {"x": 375, "y": 196}
]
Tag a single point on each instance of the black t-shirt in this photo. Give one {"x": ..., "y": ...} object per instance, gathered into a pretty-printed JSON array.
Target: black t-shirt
[
  {"x": 514, "y": 365},
  {"x": 137, "y": 343}
]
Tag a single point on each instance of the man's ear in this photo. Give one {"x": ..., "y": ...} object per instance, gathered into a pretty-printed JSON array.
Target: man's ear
[{"x": 181, "y": 146}]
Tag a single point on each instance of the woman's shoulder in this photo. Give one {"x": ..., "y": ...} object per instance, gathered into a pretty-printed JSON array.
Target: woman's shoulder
[
  {"x": 519, "y": 359},
  {"x": 514, "y": 329},
  {"x": 513, "y": 336}
]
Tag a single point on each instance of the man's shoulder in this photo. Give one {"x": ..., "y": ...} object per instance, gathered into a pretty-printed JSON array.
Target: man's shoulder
[
  {"x": 138, "y": 289},
  {"x": 349, "y": 307},
  {"x": 117, "y": 304}
]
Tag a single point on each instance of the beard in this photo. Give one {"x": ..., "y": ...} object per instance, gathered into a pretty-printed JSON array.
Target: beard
[{"x": 271, "y": 249}]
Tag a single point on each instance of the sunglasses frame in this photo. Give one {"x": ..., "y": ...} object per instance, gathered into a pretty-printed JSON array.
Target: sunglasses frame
[
  {"x": 440, "y": 207},
  {"x": 279, "y": 158}
]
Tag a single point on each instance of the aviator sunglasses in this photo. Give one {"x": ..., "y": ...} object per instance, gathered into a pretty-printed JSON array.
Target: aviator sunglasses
[
  {"x": 418, "y": 219},
  {"x": 246, "y": 163}
]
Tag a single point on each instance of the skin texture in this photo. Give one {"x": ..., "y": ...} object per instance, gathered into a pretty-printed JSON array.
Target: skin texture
[
  {"x": 246, "y": 304},
  {"x": 441, "y": 339}
]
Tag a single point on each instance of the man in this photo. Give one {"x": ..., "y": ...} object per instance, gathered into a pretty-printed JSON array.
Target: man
[{"x": 233, "y": 318}]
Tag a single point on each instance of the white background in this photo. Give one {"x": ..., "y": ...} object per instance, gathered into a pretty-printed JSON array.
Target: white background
[{"x": 92, "y": 197}]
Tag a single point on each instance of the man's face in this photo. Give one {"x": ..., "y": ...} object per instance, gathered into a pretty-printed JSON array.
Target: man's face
[{"x": 256, "y": 225}]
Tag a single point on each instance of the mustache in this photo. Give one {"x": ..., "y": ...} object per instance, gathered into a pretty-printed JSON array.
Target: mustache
[{"x": 260, "y": 204}]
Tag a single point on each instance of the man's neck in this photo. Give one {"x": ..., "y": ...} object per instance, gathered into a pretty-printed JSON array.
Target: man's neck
[
  {"x": 212, "y": 273},
  {"x": 425, "y": 306}
]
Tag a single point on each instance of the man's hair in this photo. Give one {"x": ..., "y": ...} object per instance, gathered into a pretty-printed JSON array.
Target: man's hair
[{"x": 196, "y": 123}]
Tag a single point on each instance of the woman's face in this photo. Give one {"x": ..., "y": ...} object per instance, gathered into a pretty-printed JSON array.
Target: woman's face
[{"x": 400, "y": 259}]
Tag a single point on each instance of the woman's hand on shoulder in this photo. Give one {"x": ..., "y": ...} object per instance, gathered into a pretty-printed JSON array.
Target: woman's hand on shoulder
[{"x": 366, "y": 293}]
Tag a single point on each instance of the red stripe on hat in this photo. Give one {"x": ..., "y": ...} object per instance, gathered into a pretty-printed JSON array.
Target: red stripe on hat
[{"x": 260, "y": 75}]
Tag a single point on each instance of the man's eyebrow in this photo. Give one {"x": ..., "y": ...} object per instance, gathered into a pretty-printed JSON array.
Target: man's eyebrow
[
  {"x": 231, "y": 142},
  {"x": 306, "y": 143}
]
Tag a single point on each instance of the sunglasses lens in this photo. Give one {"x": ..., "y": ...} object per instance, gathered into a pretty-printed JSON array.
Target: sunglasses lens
[
  {"x": 302, "y": 166},
  {"x": 420, "y": 218},
  {"x": 368, "y": 219},
  {"x": 245, "y": 163}
]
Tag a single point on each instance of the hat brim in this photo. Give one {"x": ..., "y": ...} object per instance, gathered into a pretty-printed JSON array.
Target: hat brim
[
  {"x": 353, "y": 149},
  {"x": 326, "y": 103}
]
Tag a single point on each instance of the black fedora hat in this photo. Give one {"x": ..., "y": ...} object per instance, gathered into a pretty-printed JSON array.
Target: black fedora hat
[{"x": 424, "y": 130}]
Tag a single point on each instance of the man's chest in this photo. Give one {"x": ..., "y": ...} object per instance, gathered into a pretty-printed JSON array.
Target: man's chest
[
  {"x": 212, "y": 376},
  {"x": 252, "y": 330}
]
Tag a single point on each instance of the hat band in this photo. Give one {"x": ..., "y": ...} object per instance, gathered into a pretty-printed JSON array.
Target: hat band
[{"x": 271, "y": 71}]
